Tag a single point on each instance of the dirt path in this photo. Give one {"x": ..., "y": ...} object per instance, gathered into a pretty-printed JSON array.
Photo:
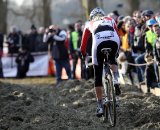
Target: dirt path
[{"x": 36, "y": 104}]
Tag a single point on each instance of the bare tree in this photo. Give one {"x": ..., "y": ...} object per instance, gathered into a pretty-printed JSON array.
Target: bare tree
[
  {"x": 3, "y": 15},
  {"x": 39, "y": 11},
  {"x": 28, "y": 13},
  {"x": 91, "y": 5},
  {"x": 135, "y": 4},
  {"x": 46, "y": 12},
  {"x": 88, "y": 5}
]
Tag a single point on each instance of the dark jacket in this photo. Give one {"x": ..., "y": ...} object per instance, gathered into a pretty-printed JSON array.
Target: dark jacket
[
  {"x": 23, "y": 61},
  {"x": 1, "y": 44},
  {"x": 31, "y": 41},
  {"x": 13, "y": 42},
  {"x": 40, "y": 46},
  {"x": 1, "y": 40},
  {"x": 58, "y": 48}
]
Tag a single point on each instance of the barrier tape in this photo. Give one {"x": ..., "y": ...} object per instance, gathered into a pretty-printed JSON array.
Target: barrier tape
[
  {"x": 132, "y": 64},
  {"x": 145, "y": 64}
]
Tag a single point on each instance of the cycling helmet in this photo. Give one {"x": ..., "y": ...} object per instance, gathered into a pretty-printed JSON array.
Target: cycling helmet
[
  {"x": 96, "y": 11},
  {"x": 151, "y": 22}
]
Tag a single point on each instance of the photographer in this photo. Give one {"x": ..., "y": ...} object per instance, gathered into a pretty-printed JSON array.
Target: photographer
[
  {"x": 56, "y": 37},
  {"x": 23, "y": 61}
]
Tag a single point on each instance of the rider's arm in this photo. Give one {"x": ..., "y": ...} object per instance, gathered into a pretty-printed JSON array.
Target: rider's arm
[
  {"x": 84, "y": 41},
  {"x": 115, "y": 26}
]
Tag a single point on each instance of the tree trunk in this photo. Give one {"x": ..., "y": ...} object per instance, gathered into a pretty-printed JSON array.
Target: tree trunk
[
  {"x": 91, "y": 5},
  {"x": 46, "y": 13},
  {"x": 3, "y": 16},
  {"x": 135, "y": 4}
]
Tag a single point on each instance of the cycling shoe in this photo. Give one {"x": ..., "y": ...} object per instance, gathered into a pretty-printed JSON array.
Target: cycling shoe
[{"x": 99, "y": 112}]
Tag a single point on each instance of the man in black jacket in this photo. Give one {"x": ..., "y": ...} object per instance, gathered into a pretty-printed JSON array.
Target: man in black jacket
[{"x": 59, "y": 52}]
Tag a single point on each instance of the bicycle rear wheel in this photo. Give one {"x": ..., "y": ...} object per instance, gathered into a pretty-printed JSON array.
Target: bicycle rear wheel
[
  {"x": 110, "y": 107},
  {"x": 105, "y": 105}
]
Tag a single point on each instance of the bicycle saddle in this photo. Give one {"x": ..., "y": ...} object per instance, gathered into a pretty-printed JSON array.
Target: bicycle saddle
[{"x": 106, "y": 50}]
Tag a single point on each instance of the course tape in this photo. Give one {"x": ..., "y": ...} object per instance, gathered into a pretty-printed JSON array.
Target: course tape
[{"x": 145, "y": 64}]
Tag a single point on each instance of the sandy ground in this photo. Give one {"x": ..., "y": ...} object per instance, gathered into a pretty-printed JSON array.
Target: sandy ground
[{"x": 37, "y": 104}]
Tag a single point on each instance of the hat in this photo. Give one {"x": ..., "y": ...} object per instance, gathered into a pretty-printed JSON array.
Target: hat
[
  {"x": 33, "y": 27},
  {"x": 116, "y": 12},
  {"x": 147, "y": 13},
  {"x": 151, "y": 22},
  {"x": 120, "y": 18}
]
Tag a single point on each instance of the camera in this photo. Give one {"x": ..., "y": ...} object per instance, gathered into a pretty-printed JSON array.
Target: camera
[{"x": 51, "y": 30}]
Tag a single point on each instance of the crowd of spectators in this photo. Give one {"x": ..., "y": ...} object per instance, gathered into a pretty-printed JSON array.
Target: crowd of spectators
[
  {"x": 33, "y": 40},
  {"x": 139, "y": 34},
  {"x": 140, "y": 42},
  {"x": 63, "y": 45}
]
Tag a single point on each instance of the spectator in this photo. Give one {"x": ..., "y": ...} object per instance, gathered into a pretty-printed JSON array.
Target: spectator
[
  {"x": 56, "y": 37},
  {"x": 125, "y": 42},
  {"x": 152, "y": 73},
  {"x": 146, "y": 15},
  {"x": 121, "y": 28},
  {"x": 31, "y": 39},
  {"x": 23, "y": 61},
  {"x": 75, "y": 39},
  {"x": 1, "y": 53},
  {"x": 40, "y": 46},
  {"x": 156, "y": 49},
  {"x": 13, "y": 40}
]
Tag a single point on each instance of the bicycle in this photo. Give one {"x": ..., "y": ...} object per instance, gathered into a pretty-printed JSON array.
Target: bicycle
[
  {"x": 109, "y": 100},
  {"x": 109, "y": 91}
]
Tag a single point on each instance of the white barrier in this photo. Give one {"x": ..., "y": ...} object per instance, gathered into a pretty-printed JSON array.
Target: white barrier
[{"x": 38, "y": 68}]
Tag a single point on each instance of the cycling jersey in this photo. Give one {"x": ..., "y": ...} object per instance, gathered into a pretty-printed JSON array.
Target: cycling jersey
[{"x": 102, "y": 30}]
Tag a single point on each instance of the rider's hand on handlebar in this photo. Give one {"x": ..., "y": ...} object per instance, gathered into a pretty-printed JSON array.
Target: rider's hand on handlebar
[{"x": 83, "y": 57}]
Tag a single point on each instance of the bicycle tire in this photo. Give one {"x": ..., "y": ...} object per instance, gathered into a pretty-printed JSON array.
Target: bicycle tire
[
  {"x": 112, "y": 99},
  {"x": 110, "y": 107},
  {"x": 105, "y": 106}
]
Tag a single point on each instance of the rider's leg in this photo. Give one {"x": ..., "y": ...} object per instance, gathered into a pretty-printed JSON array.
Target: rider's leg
[
  {"x": 98, "y": 88},
  {"x": 114, "y": 68},
  {"x": 98, "y": 81},
  {"x": 98, "y": 91}
]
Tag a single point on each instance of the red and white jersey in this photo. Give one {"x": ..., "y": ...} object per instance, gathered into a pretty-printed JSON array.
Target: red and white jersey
[{"x": 101, "y": 30}]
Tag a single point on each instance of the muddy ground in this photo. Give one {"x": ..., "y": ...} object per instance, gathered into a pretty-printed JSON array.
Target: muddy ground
[{"x": 37, "y": 104}]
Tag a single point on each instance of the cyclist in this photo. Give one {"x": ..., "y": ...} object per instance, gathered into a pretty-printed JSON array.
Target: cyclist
[{"x": 104, "y": 35}]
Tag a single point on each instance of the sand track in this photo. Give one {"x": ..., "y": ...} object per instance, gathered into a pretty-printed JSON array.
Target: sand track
[{"x": 40, "y": 105}]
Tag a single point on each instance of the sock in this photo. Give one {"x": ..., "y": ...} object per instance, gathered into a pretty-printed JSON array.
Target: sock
[{"x": 99, "y": 102}]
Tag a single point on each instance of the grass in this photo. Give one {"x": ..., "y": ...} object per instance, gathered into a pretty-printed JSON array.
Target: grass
[{"x": 30, "y": 80}]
